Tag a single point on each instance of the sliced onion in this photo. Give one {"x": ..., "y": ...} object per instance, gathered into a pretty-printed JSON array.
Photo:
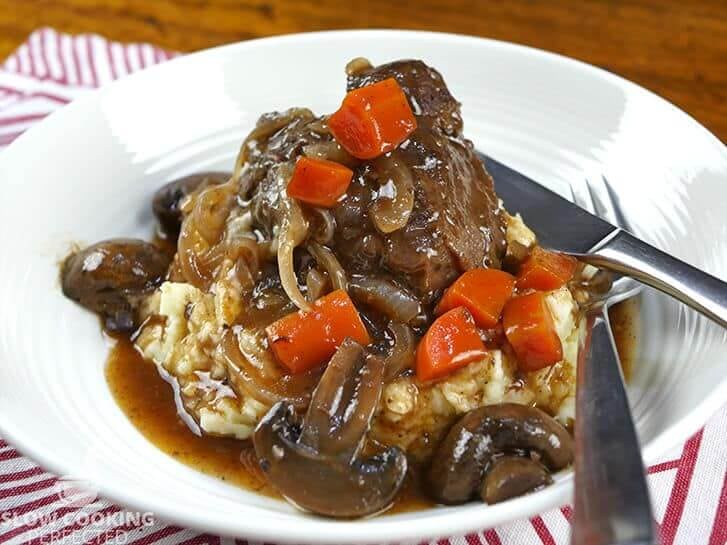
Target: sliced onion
[
  {"x": 382, "y": 294},
  {"x": 327, "y": 259},
  {"x": 257, "y": 375},
  {"x": 319, "y": 127},
  {"x": 330, "y": 151},
  {"x": 245, "y": 248},
  {"x": 315, "y": 284},
  {"x": 357, "y": 65},
  {"x": 293, "y": 230},
  {"x": 391, "y": 210},
  {"x": 201, "y": 247},
  {"x": 198, "y": 260},
  {"x": 402, "y": 352},
  {"x": 244, "y": 276},
  {"x": 210, "y": 212},
  {"x": 267, "y": 126},
  {"x": 323, "y": 228},
  {"x": 246, "y": 254},
  {"x": 187, "y": 257}
]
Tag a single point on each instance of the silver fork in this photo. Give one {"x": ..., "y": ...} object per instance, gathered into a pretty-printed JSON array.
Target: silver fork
[
  {"x": 600, "y": 199},
  {"x": 611, "y": 502}
]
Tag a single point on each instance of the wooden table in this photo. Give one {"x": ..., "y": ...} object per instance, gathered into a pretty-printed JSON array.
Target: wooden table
[{"x": 676, "y": 48}]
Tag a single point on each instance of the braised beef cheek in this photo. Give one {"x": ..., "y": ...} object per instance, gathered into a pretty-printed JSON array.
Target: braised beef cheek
[{"x": 455, "y": 224}]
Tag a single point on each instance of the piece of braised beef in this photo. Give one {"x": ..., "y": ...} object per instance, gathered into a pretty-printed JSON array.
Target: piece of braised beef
[
  {"x": 455, "y": 224},
  {"x": 443, "y": 199},
  {"x": 424, "y": 86}
]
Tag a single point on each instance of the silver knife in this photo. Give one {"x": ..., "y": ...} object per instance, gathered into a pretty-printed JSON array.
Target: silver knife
[
  {"x": 611, "y": 500},
  {"x": 563, "y": 226}
]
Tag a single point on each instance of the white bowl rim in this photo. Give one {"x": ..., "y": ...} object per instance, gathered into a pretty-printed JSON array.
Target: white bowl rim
[{"x": 438, "y": 522}]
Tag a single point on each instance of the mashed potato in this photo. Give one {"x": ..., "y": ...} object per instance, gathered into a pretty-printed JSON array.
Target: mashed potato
[
  {"x": 184, "y": 327},
  {"x": 414, "y": 416},
  {"x": 181, "y": 336}
]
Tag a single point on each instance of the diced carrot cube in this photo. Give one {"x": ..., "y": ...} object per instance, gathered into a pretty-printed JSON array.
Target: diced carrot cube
[
  {"x": 544, "y": 270},
  {"x": 304, "y": 340},
  {"x": 450, "y": 343},
  {"x": 483, "y": 292},
  {"x": 530, "y": 330},
  {"x": 373, "y": 120},
  {"x": 319, "y": 182}
]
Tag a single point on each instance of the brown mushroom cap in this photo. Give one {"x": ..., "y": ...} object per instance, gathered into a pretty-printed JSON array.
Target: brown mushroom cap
[
  {"x": 467, "y": 451},
  {"x": 112, "y": 276},
  {"x": 320, "y": 483},
  {"x": 314, "y": 462},
  {"x": 512, "y": 476}
]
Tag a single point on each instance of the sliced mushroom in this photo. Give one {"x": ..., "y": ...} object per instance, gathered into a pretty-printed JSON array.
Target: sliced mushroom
[
  {"x": 467, "y": 451},
  {"x": 168, "y": 199},
  {"x": 340, "y": 411},
  {"x": 314, "y": 462},
  {"x": 111, "y": 277},
  {"x": 512, "y": 476}
]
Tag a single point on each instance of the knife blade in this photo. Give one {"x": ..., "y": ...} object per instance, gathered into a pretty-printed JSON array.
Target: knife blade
[
  {"x": 611, "y": 498},
  {"x": 559, "y": 223}
]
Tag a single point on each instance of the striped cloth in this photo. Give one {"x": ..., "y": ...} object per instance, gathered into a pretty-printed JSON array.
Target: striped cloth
[{"x": 689, "y": 487}]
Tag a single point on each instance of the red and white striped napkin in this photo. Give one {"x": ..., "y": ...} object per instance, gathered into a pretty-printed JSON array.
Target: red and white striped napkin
[{"x": 689, "y": 487}]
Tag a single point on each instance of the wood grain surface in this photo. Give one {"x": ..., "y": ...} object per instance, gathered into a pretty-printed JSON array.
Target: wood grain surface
[{"x": 676, "y": 48}]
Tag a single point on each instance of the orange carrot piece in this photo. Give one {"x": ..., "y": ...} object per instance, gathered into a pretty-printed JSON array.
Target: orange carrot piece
[
  {"x": 544, "y": 270},
  {"x": 451, "y": 342},
  {"x": 373, "y": 120},
  {"x": 319, "y": 182},
  {"x": 483, "y": 292},
  {"x": 530, "y": 330},
  {"x": 304, "y": 340}
]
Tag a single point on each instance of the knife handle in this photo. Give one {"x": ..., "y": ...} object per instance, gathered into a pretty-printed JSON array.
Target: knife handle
[{"x": 625, "y": 254}]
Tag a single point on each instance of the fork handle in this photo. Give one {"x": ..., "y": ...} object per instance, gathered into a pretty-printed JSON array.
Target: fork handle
[{"x": 623, "y": 253}]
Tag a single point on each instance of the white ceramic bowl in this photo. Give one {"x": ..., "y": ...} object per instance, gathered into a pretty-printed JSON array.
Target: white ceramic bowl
[{"x": 88, "y": 172}]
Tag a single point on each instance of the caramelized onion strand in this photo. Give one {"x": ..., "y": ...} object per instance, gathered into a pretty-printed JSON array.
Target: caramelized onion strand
[
  {"x": 258, "y": 376},
  {"x": 293, "y": 231},
  {"x": 327, "y": 259},
  {"x": 391, "y": 210}
]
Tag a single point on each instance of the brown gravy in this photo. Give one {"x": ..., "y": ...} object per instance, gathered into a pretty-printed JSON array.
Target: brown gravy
[
  {"x": 148, "y": 401},
  {"x": 624, "y": 319}
]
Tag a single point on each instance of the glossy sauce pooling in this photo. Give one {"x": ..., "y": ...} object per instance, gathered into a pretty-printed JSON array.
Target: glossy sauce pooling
[
  {"x": 624, "y": 319},
  {"x": 148, "y": 401}
]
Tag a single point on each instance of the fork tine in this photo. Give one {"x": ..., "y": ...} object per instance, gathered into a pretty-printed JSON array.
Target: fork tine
[
  {"x": 582, "y": 196},
  {"x": 602, "y": 206},
  {"x": 605, "y": 203},
  {"x": 620, "y": 218}
]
